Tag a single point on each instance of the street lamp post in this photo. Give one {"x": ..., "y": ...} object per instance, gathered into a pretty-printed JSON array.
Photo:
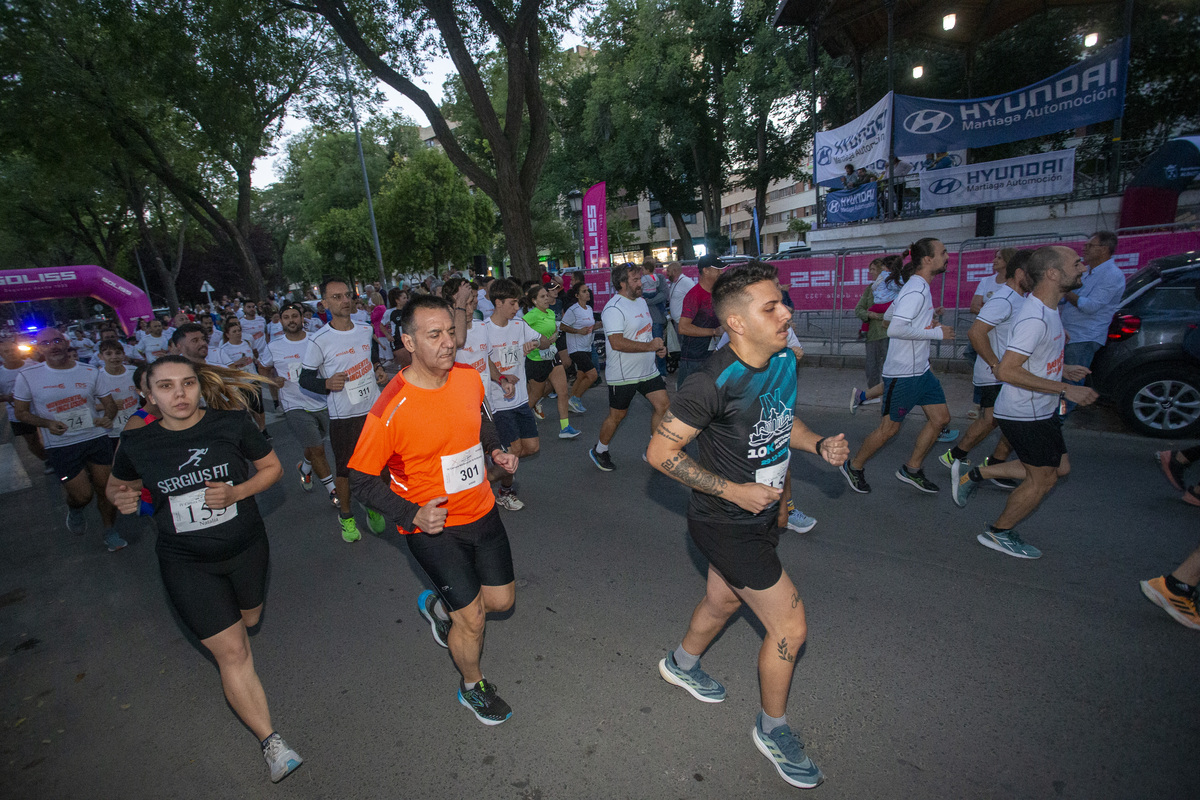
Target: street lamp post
[{"x": 575, "y": 203}]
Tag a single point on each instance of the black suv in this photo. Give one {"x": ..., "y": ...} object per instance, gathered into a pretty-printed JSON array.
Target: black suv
[{"x": 1144, "y": 368}]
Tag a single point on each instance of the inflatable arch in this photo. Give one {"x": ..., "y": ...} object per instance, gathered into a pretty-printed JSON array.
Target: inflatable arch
[{"x": 88, "y": 280}]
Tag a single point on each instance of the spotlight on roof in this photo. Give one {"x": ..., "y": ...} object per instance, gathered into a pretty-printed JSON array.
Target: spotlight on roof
[
  {"x": 948, "y": 22},
  {"x": 1091, "y": 40},
  {"x": 918, "y": 71}
]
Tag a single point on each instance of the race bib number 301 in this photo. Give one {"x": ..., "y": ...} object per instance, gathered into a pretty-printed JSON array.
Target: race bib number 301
[
  {"x": 190, "y": 513},
  {"x": 464, "y": 470}
]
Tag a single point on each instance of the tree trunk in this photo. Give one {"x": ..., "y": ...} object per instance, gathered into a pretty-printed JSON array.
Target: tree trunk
[
  {"x": 686, "y": 250},
  {"x": 258, "y": 284}
]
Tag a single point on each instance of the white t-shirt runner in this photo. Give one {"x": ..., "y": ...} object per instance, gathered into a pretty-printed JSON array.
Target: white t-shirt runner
[
  {"x": 474, "y": 353},
  {"x": 121, "y": 389},
  {"x": 630, "y": 318},
  {"x": 228, "y": 354},
  {"x": 254, "y": 331},
  {"x": 8, "y": 379},
  {"x": 579, "y": 317},
  {"x": 1037, "y": 332},
  {"x": 506, "y": 349},
  {"x": 331, "y": 351},
  {"x": 909, "y": 333},
  {"x": 286, "y": 357},
  {"x": 1000, "y": 312},
  {"x": 67, "y": 395},
  {"x": 152, "y": 349}
]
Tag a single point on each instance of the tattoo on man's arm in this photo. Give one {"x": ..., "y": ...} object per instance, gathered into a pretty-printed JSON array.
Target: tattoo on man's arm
[
  {"x": 785, "y": 654},
  {"x": 670, "y": 435},
  {"x": 683, "y": 469},
  {"x": 795, "y": 599}
]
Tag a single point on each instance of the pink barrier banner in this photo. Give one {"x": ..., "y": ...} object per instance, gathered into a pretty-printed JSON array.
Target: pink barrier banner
[
  {"x": 87, "y": 280},
  {"x": 814, "y": 287},
  {"x": 819, "y": 282},
  {"x": 595, "y": 228}
]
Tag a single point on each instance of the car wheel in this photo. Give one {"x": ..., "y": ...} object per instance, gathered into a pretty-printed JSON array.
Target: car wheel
[{"x": 1163, "y": 401}]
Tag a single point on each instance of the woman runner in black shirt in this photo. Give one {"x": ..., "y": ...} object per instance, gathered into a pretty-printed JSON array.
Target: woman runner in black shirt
[{"x": 212, "y": 544}]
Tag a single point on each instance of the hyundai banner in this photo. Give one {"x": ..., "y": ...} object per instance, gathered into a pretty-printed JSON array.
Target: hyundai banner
[
  {"x": 595, "y": 228},
  {"x": 862, "y": 142},
  {"x": 996, "y": 181},
  {"x": 1091, "y": 91},
  {"x": 852, "y": 205}
]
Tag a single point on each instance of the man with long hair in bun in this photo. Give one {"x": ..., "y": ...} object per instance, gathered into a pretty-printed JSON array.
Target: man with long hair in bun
[{"x": 907, "y": 380}]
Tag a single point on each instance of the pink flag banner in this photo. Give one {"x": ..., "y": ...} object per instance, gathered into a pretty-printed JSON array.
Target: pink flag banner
[{"x": 595, "y": 229}]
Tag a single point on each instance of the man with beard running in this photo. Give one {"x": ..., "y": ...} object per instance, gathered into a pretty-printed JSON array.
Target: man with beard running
[
  {"x": 629, "y": 368},
  {"x": 1034, "y": 395},
  {"x": 428, "y": 435},
  {"x": 306, "y": 413},
  {"x": 339, "y": 364},
  {"x": 908, "y": 381},
  {"x": 740, "y": 406}
]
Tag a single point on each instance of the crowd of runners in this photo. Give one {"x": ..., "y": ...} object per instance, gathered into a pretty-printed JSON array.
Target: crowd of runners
[{"x": 430, "y": 402}]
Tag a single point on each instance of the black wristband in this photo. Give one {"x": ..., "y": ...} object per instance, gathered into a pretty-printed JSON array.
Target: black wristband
[{"x": 819, "y": 443}]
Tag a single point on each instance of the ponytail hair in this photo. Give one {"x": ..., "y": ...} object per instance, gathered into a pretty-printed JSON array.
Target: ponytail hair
[
  {"x": 894, "y": 266},
  {"x": 222, "y": 388},
  {"x": 917, "y": 252},
  {"x": 530, "y": 295}
]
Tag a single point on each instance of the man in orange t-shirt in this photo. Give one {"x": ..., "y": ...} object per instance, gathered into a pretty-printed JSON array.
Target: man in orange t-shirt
[{"x": 428, "y": 432}]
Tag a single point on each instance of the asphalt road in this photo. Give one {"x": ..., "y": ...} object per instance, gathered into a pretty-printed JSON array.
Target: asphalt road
[{"x": 934, "y": 667}]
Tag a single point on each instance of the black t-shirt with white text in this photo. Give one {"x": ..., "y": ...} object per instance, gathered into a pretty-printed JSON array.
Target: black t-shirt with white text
[
  {"x": 745, "y": 419},
  {"x": 174, "y": 465}
]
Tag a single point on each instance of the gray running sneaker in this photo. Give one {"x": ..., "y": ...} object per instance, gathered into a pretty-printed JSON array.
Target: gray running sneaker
[
  {"x": 696, "y": 682},
  {"x": 786, "y": 753},
  {"x": 947, "y": 460},
  {"x": 960, "y": 483},
  {"x": 113, "y": 541},
  {"x": 1009, "y": 543},
  {"x": 282, "y": 759}
]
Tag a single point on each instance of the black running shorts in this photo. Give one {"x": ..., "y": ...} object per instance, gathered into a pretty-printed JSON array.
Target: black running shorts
[
  {"x": 744, "y": 554},
  {"x": 619, "y": 397},
  {"x": 70, "y": 460},
  {"x": 1038, "y": 443},
  {"x": 461, "y": 559},
  {"x": 210, "y": 596},
  {"x": 539, "y": 371},
  {"x": 343, "y": 437},
  {"x": 21, "y": 428},
  {"x": 582, "y": 359}
]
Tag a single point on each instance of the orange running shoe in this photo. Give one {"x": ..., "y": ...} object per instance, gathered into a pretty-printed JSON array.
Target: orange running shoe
[{"x": 1182, "y": 609}]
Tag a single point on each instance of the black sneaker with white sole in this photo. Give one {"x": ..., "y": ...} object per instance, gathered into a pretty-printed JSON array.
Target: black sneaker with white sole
[
  {"x": 487, "y": 706},
  {"x": 916, "y": 479},
  {"x": 855, "y": 477},
  {"x": 602, "y": 460},
  {"x": 439, "y": 626}
]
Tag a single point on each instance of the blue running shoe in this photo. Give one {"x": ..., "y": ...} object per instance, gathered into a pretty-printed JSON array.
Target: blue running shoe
[
  {"x": 696, "y": 682},
  {"x": 440, "y": 627},
  {"x": 786, "y": 753},
  {"x": 800, "y": 522},
  {"x": 1009, "y": 543},
  {"x": 576, "y": 405},
  {"x": 948, "y": 435},
  {"x": 569, "y": 432},
  {"x": 483, "y": 701}
]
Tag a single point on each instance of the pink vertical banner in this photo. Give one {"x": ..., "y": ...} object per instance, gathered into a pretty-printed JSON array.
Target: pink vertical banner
[{"x": 595, "y": 229}]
